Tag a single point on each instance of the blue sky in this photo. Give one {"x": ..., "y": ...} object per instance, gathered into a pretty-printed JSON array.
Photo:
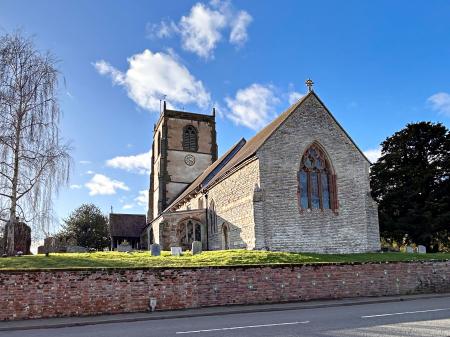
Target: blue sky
[{"x": 376, "y": 65}]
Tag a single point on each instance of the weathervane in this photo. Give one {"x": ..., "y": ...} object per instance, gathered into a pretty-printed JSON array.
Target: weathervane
[{"x": 309, "y": 83}]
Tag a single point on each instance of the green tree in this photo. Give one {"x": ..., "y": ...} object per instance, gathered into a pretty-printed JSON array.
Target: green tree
[
  {"x": 410, "y": 181},
  {"x": 88, "y": 226}
]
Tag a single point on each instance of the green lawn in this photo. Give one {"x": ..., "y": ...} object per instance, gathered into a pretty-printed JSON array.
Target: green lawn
[{"x": 212, "y": 258}]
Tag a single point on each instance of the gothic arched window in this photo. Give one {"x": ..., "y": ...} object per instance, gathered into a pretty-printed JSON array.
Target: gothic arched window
[
  {"x": 190, "y": 232},
  {"x": 190, "y": 139},
  {"x": 316, "y": 181},
  {"x": 159, "y": 143},
  {"x": 212, "y": 217}
]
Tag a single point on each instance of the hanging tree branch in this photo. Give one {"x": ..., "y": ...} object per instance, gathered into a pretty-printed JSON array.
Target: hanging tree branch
[{"x": 34, "y": 160}]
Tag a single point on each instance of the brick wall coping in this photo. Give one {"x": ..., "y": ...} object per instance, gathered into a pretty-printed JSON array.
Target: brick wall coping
[{"x": 242, "y": 266}]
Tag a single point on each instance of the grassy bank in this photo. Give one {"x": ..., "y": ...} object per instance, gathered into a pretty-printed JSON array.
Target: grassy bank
[{"x": 212, "y": 258}]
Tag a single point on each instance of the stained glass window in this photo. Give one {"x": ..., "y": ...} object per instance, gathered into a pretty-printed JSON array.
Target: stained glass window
[
  {"x": 316, "y": 181},
  {"x": 303, "y": 176}
]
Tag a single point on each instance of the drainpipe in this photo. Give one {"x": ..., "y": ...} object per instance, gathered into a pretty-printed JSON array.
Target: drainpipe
[{"x": 207, "y": 221}]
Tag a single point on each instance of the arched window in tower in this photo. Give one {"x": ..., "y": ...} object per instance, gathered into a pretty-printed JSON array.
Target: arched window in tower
[
  {"x": 190, "y": 138},
  {"x": 316, "y": 181},
  {"x": 158, "y": 144}
]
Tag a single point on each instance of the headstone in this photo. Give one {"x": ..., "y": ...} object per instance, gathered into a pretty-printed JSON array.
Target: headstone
[
  {"x": 17, "y": 238},
  {"x": 176, "y": 251},
  {"x": 155, "y": 249},
  {"x": 196, "y": 247},
  {"x": 124, "y": 247},
  {"x": 421, "y": 249},
  {"x": 58, "y": 244},
  {"x": 76, "y": 249},
  {"x": 409, "y": 249},
  {"x": 41, "y": 250}
]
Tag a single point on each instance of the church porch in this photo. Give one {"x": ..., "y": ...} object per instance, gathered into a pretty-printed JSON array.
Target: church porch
[{"x": 179, "y": 229}]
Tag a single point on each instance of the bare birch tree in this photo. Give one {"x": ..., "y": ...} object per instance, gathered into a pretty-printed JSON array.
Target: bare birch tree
[{"x": 34, "y": 161}]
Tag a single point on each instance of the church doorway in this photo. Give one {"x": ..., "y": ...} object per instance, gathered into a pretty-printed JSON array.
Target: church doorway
[
  {"x": 188, "y": 232},
  {"x": 225, "y": 237}
]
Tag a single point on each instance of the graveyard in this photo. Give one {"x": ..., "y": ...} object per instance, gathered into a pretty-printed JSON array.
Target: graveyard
[{"x": 144, "y": 259}]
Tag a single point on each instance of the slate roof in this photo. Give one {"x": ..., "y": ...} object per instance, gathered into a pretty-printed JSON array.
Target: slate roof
[
  {"x": 210, "y": 172},
  {"x": 248, "y": 150},
  {"x": 127, "y": 225}
]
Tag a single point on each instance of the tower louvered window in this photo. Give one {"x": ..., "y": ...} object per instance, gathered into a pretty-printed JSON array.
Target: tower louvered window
[
  {"x": 190, "y": 138},
  {"x": 316, "y": 181}
]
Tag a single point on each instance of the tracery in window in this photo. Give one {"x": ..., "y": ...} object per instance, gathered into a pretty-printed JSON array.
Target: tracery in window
[
  {"x": 190, "y": 232},
  {"x": 316, "y": 181},
  {"x": 190, "y": 138}
]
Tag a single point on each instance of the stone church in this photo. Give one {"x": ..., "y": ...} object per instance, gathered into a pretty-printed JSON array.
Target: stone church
[{"x": 301, "y": 184}]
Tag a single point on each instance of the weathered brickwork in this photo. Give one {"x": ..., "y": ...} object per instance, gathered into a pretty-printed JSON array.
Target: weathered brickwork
[
  {"x": 233, "y": 198},
  {"x": 354, "y": 228},
  {"x": 39, "y": 294}
]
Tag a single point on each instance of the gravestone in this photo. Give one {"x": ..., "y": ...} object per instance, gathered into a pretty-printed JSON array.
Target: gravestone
[
  {"x": 421, "y": 249},
  {"x": 41, "y": 250},
  {"x": 124, "y": 248},
  {"x": 155, "y": 249},
  {"x": 409, "y": 249},
  {"x": 17, "y": 238},
  {"x": 76, "y": 249},
  {"x": 176, "y": 251},
  {"x": 58, "y": 244},
  {"x": 196, "y": 247}
]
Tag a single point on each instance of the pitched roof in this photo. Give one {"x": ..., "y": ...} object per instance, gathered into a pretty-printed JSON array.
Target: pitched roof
[
  {"x": 210, "y": 172},
  {"x": 249, "y": 149},
  {"x": 127, "y": 225}
]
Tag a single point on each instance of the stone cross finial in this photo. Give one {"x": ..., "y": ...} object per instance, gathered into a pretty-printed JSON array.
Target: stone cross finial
[{"x": 309, "y": 83}]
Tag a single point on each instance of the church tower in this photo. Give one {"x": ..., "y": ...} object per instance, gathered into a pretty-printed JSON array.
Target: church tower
[{"x": 184, "y": 145}]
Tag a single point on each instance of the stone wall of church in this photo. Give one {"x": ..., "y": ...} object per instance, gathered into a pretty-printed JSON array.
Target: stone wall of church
[
  {"x": 233, "y": 198},
  {"x": 354, "y": 228},
  {"x": 166, "y": 228}
]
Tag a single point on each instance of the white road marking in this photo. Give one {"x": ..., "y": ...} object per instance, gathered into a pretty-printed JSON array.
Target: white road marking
[
  {"x": 406, "y": 313},
  {"x": 242, "y": 327}
]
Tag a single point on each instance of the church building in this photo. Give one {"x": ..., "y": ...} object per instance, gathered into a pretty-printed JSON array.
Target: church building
[{"x": 301, "y": 184}]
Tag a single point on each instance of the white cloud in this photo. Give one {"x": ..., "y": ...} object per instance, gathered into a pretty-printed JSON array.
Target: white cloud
[
  {"x": 253, "y": 106},
  {"x": 89, "y": 172},
  {"x": 127, "y": 206},
  {"x": 201, "y": 30},
  {"x": 373, "y": 154},
  {"x": 142, "y": 198},
  {"x": 84, "y": 162},
  {"x": 238, "y": 35},
  {"x": 294, "y": 96},
  {"x": 440, "y": 102},
  {"x": 75, "y": 186},
  {"x": 140, "y": 163},
  {"x": 164, "y": 29},
  {"x": 151, "y": 76},
  {"x": 104, "y": 68},
  {"x": 103, "y": 185}
]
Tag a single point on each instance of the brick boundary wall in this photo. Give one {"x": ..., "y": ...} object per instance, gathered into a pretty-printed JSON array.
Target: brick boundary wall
[{"x": 59, "y": 293}]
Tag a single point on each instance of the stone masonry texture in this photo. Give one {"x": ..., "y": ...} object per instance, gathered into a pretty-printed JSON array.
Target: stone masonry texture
[
  {"x": 279, "y": 220},
  {"x": 50, "y": 293}
]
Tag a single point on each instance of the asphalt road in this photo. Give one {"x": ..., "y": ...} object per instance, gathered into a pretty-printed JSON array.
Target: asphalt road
[{"x": 423, "y": 317}]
